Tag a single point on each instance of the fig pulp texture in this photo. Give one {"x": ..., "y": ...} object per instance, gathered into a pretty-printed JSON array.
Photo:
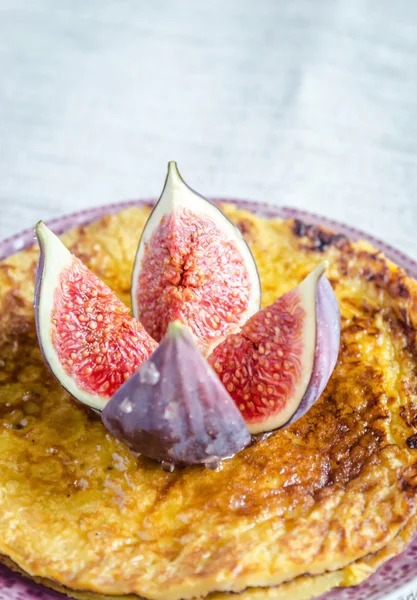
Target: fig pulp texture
[
  {"x": 277, "y": 366},
  {"x": 174, "y": 408},
  {"x": 87, "y": 337},
  {"x": 193, "y": 265}
]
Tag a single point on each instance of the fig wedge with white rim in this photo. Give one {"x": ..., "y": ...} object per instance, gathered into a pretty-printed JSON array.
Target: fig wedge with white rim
[
  {"x": 174, "y": 409},
  {"x": 327, "y": 346},
  {"x": 277, "y": 366},
  {"x": 193, "y": 265},
  {"x": 87, "y": 337}
]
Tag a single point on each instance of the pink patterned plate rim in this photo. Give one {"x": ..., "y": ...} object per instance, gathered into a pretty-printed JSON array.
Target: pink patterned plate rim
[{"x": 395, "y": 578}]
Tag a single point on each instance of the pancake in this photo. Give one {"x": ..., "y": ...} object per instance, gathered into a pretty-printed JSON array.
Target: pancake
[
  {"x": 301, "y": 588},
  {"x": 334, "y": 490}
]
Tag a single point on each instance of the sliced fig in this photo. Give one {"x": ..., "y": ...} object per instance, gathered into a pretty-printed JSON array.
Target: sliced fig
[
  {"x": 193, "y": 265},
  {"x": 86, "y": 335},
  {"x": 277, "y": 366},
  {"x": 174, "y": 408},
  {"x": 327, "y": 346}
]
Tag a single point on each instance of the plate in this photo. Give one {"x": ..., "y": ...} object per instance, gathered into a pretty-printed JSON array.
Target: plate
[{"x": 396, "y": 579}]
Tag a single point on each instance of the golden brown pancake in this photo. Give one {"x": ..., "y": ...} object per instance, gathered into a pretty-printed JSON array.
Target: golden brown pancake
[
  {"x": 301, "y": 588},
  {"x": 323, "y": 501}
]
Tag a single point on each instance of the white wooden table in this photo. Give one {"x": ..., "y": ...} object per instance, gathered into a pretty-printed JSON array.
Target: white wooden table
[{"x": 306, "y": 103}]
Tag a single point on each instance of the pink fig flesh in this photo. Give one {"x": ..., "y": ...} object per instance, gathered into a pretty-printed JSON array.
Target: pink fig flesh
[
  {"x": 193, "y": 265},
  {"x": 87, "y": 337},
  {"x": 277, "y": 366},
  {"x": 174, "y": 409}
]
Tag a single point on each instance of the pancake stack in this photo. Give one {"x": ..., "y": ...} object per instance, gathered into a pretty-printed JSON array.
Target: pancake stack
[{"x": 317, "y": 505}]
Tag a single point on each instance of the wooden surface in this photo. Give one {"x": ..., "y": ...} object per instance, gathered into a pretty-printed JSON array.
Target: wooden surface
[{"x": 305, "y": 103}]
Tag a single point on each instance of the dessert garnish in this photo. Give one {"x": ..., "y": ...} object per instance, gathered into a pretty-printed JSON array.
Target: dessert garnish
[
  {"x": 277, "y": 366},
  {"x": 195, "y": 288},
  {"x": 175, "y": 409},
  {"x": 87, "y": 337},
  {"x": 193, "y": 265}
]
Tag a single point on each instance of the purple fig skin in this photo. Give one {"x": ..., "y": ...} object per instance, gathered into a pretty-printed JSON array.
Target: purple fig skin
[
  {"x": 327, "y": 346},
  {"x": 174, "y": 409}
]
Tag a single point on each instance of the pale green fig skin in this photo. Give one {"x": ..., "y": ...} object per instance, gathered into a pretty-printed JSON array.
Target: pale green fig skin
[
  {"x": 176, "y": 194},
  {"x": 174, "y": 409}
]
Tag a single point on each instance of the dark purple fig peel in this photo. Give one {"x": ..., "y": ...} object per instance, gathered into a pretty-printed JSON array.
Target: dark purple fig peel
[{"x": 174, "y": 409}]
